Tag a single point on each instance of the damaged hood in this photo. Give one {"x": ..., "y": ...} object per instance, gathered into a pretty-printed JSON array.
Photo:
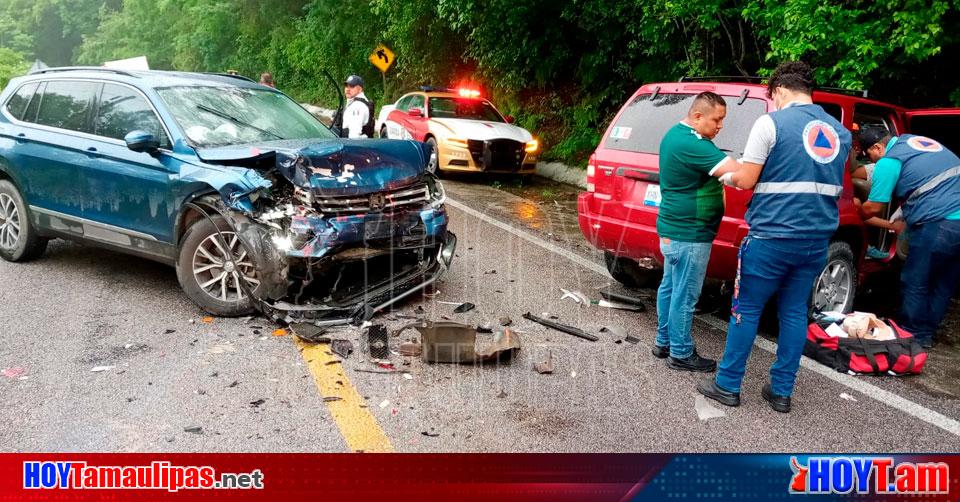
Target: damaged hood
[{"x": 331, "y": 166}]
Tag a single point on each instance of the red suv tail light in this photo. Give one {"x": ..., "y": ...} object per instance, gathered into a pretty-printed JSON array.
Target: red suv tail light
[{"x": 592, "y": 173}]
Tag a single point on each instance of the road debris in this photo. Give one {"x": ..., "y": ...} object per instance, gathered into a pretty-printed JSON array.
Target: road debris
[
  {"x": 570, "y": 330},
  {"x": 233, "y": 384},
  {"x": 279, "y": 332},
  {"x": 342, "y": 348},
  {"x": 221, "y": 349},
  {"x": 848, "y": 397},
  {"x": 705, "y": 410},
  {"x": 453, "y": 342},
  {"x": 502, "y": 394},
  {"x": 485, "y": 328},
  {"x": 578, "y": 297},
  {"x": 169, "y": 331},
  {"x": 330, "y": 399},
  {"x": 377, "y": 342},
  {"x": 383, "y": 404},
  {"x": 309, "y": 333},
  {"x": 408, "y": 376},
  {"x": 545, "y": 367},
  {"x": 257, "y": 403},
  {"x": 100, "y": 369},
  {"x": 621, "y": 298},
  {"x": 464, "y": 307},
  {"x": 617, "y": 305},
  {"x": 15, "y": 372},
  {"x": 505, "y": 321},
  {"x": 207, "y": 320},
  {"x": 632, "y": 339},
  {"x": 410, "y": 349},
  {"x": 195, "y": 429},
  {"x": 431, "y": 434}
]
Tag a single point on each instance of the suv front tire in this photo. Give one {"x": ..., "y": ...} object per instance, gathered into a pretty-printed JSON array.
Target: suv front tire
[{"x": 19, "y": 241}]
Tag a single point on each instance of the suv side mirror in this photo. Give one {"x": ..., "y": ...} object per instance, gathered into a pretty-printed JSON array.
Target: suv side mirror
[
  {"x": 509, "y": 119},
  {"x": 142, "y": 142},
  {"x": 415, "y": 112}
]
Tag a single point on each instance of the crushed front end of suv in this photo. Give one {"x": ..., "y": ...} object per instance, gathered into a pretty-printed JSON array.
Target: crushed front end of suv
[{"x": 256, "y": 203}]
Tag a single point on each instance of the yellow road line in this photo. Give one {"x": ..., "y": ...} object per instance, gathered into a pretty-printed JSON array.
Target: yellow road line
[{"x": 357, "y": 425}]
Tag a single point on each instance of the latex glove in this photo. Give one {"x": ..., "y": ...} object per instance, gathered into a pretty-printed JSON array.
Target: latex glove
[{"x": 727, "y": 179}]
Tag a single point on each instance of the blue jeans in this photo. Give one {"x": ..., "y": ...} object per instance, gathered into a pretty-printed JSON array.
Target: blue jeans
[
  {"x": 768, "y": 266},
  {"x": 684, "y": 268},
  {"x": 929, "y": 277}
]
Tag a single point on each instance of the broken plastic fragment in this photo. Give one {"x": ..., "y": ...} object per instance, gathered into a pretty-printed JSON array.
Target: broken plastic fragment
[
  {"x": 13, "y": 372},
  {"x": 207, "y": 320},
  {"x": 342, "y": 348},
  {"x": 464, "y": 307},
  {"x": 848, "y": 397},
  {"x": 578, "y": 297},
  {"x": 705, "y": 410},
  {"x": 280, "y": 332},
  {"x": 99, "y": 369},
  {"x": 545, "y": 367}
]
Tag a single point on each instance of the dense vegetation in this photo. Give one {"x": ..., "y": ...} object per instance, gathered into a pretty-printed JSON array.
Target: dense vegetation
[{"x": 562, "y": 67}]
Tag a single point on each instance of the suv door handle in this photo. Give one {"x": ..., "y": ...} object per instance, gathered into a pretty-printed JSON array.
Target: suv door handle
[
  {"x": 92, "y": 151},
  {"x": 21, "y": 138}
]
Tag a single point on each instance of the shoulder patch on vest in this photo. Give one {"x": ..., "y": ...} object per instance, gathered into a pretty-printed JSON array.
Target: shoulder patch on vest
[
  {"x": 924, "y": 144},
  {"x": 821, "y": 141}
]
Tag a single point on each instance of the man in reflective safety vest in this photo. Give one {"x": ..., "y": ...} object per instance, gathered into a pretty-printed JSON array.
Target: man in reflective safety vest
[
  {"x": 925, "y": 176},
  {"x": 794, "y": 162}
]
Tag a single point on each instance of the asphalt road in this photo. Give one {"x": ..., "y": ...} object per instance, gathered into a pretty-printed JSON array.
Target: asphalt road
[{"x": 168, "y": 373}]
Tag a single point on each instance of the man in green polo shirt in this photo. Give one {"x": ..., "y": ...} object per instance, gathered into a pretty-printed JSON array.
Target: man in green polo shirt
[{"x": 691, "y": 208}]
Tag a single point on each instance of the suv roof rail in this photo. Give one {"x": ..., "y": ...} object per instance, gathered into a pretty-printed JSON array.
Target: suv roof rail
[
  {"x": 852, "y": 92},
  {"x": 82, "y": 68},
  {"x": 723, "y": 78},
  {"x": 231, "y": 75}
]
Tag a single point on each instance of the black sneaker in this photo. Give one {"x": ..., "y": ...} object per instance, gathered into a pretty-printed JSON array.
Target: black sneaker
[
  {"x": 709, "y": 388},
  {"x": 660, "y": 352},
  {"x": 778, "y": 403},
  {"x": 692, "y": 363}
]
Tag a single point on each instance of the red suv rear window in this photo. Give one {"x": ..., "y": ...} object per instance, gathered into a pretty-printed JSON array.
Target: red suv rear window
[{"x": 644, "y": 122}]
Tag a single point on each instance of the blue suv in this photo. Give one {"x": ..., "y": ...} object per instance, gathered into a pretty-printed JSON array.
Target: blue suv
[{"x": 253, "y": 200}]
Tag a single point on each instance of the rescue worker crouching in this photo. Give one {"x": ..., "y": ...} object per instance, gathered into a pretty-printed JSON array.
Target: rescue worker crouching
[
  {"x": 925, "y": 176},
  {"x": 356, "y": 119}
]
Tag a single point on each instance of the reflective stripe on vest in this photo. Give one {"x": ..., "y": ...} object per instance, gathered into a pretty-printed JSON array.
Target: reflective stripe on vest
[
  {"x": 799, "y": 187},
  {"x": 934, "y": 183}
]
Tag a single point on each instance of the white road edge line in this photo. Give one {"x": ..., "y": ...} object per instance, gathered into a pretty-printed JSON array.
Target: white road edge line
[{"x": 872, "y": 391}]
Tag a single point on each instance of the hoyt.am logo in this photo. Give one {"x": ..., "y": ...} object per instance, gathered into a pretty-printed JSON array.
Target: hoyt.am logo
[{"x": 877, "y": 475}]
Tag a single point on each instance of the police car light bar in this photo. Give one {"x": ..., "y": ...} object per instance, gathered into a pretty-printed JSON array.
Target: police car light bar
[{"x": 462, "y": 92}]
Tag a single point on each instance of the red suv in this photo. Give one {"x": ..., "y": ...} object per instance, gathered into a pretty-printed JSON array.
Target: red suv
[{"x": 618, "y": 212}]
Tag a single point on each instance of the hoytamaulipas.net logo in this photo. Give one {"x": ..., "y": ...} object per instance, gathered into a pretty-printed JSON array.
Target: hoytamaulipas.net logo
[
  {"x": 875, "y": 475},
  {"x": 158, "y": 475}
]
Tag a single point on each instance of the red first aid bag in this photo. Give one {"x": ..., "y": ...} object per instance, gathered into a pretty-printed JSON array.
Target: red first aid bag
[{"x": 900, "y": 356}]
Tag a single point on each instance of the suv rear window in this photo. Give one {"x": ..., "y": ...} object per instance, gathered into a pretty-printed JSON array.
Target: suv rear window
[
  {"x": 18, "y": 102},
  {"x": 645, "y": 121}
]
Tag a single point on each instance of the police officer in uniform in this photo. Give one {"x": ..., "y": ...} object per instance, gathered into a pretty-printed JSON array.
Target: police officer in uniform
[
  {"x": 356, "y": 119},
  {"x": 794, "y": 162},
  {"x": 925, "y": 176}
]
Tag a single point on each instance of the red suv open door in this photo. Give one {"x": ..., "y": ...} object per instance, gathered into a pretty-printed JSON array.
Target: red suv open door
[{"x": 941, "y": 124}]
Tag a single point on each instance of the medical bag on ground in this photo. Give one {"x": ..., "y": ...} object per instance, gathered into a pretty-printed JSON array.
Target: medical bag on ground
[{"x": 880, "y": 349}]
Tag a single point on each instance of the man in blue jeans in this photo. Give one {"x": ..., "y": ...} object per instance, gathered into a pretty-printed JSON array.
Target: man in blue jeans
[
  {"x": 794, "y": 162},
  {"x": 691, "y": 208},
  {"x": 925, "y": 176}
]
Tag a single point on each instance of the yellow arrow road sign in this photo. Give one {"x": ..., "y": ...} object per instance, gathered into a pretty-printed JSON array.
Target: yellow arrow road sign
[{"x": 382, "y": 57}]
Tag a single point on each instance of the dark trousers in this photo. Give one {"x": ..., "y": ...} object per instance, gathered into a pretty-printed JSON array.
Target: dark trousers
[{"x": 929, "y": 277}]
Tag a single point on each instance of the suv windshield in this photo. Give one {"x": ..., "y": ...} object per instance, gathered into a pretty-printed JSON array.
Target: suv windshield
[
  {"x": 645, "y": 121},
  {"x": 472, "y": 109},
  {"x": 219, "y": 116}
]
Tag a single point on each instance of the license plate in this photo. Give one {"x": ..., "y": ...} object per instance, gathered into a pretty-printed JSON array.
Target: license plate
[{"x": 652, "y": 197}]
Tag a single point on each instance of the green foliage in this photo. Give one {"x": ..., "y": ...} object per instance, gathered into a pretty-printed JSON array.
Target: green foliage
[
  {"x": 12, "y": 64},
  {"x": 561, "y": 67}
]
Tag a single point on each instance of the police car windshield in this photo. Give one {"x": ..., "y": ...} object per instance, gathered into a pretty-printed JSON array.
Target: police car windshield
[
  {"x": 220, "y": 116},
  {"x": 462, "y": 108}
]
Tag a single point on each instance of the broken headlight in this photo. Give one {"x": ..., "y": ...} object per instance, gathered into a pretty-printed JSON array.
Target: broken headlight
[{"x": 437, "y": 194}]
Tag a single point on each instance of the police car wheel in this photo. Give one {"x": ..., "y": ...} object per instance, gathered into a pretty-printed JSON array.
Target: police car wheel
[{"x": 836, "y": 286}]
